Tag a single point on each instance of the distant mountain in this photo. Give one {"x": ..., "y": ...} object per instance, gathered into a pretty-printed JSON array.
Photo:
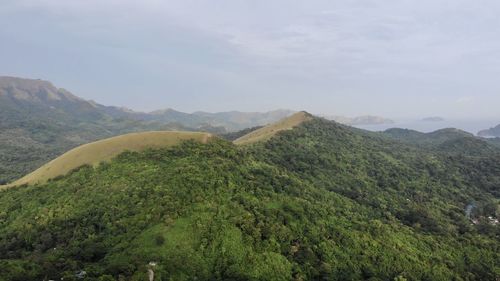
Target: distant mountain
[
  {"x": 445, "y": 140},
  {"x": 436, "y": 137},
  {"x": 37, "y": 98},
  {"x": 433, "y": 119},
  {"x": 232, "y": 120},
  {"x": 359, "y": 120},
  {"x": 39, "y": 121},
  {"x": 235, "y": 120},
  {"x": 492, "y": 132}
]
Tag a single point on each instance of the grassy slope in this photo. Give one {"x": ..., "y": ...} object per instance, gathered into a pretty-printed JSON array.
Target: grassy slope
[
  {"x": 269, "y": 131},
  {"x": 31, "y": 135},
  {"x": 104, "y": 150}
]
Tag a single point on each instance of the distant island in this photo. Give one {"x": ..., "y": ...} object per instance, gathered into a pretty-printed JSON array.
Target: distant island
[
  {"x": 491, "y": 132},
  {"x": 433, "y": 119}
]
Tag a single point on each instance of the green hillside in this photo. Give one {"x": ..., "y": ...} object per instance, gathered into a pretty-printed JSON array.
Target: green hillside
[
  {"x": 267, "y": 132},
  {"x": 452, "y": 141},
  {"x": 39, "y": 122},
  {"x": 430, "y": 139},
  {"x": 320, "y": 201},
  {"x": 104, "y": 150}
]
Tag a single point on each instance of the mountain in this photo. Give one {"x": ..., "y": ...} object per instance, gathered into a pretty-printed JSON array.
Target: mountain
[
  {"x": 311, "y": 200},
  {"x": 39, "y": 122},
  {"x": 271, "y": 130},
  {"x": 360, "y": 120},
  {"x": 235, "y": 120},
  {"x": 37, "y": 98},
  {"x": 104, "y": 150},
  {"x": 492, "y": 132},
  {"x": 447, "y": 140},
  {"x": 436, "y": 137},
  {"x": 232, "y": 120}
]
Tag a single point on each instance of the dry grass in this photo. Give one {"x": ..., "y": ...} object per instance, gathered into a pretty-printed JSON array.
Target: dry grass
[
  {"x": 269, "y": 131},
  {"x": 104, "y": 150}
]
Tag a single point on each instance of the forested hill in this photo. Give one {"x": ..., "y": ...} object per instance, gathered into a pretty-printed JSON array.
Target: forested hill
[
  {"x": 449, "y": 140},
  {"x": 39, "y": 121},
  {"x": 321, "y": 201}
]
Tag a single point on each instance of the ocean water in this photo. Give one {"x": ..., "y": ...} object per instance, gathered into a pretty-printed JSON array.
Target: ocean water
[{"x": 471, "y": 126}]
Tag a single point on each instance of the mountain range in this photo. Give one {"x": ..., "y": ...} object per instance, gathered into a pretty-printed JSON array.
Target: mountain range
[
  {"x": 39, "y": 121},
  {"x": 359, "y": 120},
  {"x": 301, "y": 199},
  {"x": 445, "y": 140}
]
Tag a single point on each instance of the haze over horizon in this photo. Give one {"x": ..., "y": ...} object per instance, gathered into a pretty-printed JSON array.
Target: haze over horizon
[{"x": 408, "y": 59}]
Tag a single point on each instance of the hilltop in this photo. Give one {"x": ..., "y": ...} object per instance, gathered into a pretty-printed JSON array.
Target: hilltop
[
  {"x": 451, "y": 141},
  {"x": 311, "y": 200},
  {"x": 39, "y": 121},
  {"x": 104, "y": 150},
  {"x": 267, "y": 132}
]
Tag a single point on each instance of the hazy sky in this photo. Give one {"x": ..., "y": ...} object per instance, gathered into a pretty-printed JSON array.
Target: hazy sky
[{"x": 396, "y": 58}]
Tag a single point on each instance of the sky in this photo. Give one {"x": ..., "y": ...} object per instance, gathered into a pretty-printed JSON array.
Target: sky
[{"x": 393, "y": 58}]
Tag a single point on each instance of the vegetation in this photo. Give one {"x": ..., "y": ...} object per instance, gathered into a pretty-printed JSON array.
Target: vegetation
[
  {"x": 319, "y": 202},
  {"x": 39, "y": 122},
  {"x": 452, "y": 141},
  {"x": 104, "y": 150},
  {"x": 236, "y": 135},
  {"x": 34, "y": 130},
  {"x": 269, "y": 131}
]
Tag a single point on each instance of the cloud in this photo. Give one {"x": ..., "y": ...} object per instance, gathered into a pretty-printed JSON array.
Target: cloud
[{"x": 326, "y": 55}]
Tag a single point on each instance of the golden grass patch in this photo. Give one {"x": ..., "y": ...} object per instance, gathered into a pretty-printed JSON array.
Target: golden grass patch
[
  {"x": 269, "y": 131},
  {"x": 104, "y": 150}
]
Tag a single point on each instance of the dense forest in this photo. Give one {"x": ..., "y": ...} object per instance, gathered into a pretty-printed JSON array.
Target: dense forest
[{"x": 320, "y": 202}]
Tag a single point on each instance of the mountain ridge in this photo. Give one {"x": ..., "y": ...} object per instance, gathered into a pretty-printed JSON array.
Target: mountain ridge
[
  {"x": 320, "y": 201},
  {"x": 104, "y": 150},
  {"x": 39, "y": 121},
  {"x": 267, "y": 132}
]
